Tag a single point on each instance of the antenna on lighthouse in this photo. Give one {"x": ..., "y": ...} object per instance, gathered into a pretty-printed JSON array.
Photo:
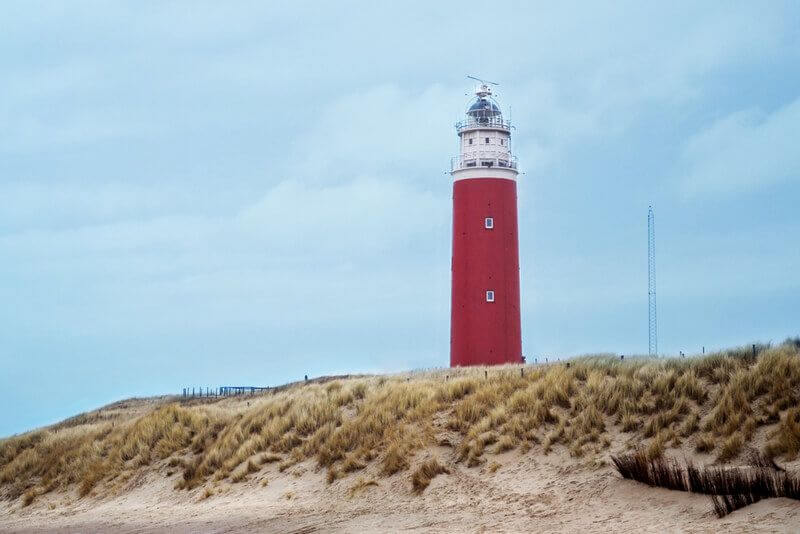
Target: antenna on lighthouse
[
  {"x": 484, "y": 82},
  {"x": 484, "y": 90}
]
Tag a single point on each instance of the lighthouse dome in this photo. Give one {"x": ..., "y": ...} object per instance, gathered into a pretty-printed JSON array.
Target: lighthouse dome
[{"x": 484, "y": 109}]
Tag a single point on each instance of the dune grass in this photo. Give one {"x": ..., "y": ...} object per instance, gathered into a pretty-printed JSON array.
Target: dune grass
[
  {"x": 360, "y": 485},
  {"x": 717, "y": 403},
  {"x": 425, "y": 473}
]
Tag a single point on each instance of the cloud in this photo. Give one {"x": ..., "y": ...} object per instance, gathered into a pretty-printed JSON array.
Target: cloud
[
  {"x": 286, "y": 254},
  {"x": 33, "y": 205},
  {"x": 365, "y": 216},
  {"x": 744, "y": 151},
  {"x": 380, "y": 129}
]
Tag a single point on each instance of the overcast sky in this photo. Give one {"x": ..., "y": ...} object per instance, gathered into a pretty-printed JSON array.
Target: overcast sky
[{"x": 234, "y": 193}]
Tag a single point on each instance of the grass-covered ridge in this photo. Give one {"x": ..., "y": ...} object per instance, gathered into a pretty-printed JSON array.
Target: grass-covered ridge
[{"x": 714, "y": 404}]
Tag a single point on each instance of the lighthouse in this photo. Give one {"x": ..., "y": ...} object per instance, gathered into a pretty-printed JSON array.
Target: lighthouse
[{"x": 485, "y": 311}]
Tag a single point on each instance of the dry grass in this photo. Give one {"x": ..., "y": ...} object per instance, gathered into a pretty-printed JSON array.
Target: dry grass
[
  {"x": 361, "y": 485},
  {"x": 731, "y": 447},
  {"x": 505, "y": 443},
  {"x": 704, "y": 443},
  {"x": 395, "y": 460},
  {"x": 86, "y": 455},
  {"x": 657, "y": 446},
  {"x": 786, "y": 439},
  {"x": 425, "y": 473},
  {"x": 239, "y": 476},
  {"x": 268, "y": 458},
  {"x": 344, "y": 426},
  {"x": 28, "y": 497}
]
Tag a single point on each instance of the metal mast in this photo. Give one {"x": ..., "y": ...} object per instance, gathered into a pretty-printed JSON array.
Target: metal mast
[{"x": 651, "y": 284}]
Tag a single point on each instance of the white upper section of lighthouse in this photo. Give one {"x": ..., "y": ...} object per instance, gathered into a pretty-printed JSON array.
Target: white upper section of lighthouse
[{"x": 484, "y": 138}]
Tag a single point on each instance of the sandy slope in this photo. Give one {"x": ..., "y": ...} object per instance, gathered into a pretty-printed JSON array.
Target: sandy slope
[{"x": 528, "y": 493}]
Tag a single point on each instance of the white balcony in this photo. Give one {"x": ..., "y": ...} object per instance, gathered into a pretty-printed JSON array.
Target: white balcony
[
  {"x": 461, "y": 162},
  {"x": 487, "y": 123}
]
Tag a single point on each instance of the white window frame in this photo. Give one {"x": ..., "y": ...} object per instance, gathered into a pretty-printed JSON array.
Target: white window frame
[
  {"x": 489, "y": 295},
  {"x": 488, "y": 223}
]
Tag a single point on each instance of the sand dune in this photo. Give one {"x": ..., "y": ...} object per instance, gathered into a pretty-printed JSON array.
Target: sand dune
[
  {"x": 516, "y": 450},
  {"x": 527, "y": 493}
]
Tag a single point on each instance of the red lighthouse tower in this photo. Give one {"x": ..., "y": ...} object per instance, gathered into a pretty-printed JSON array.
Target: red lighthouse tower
[{"x": 485, "y": 316}]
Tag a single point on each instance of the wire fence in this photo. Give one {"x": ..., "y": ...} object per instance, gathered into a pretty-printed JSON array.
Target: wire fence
[
  {"x": 437, "y": 372},
  {"x": 431, "y": 372},
  {"x": 223, "y": 391}
]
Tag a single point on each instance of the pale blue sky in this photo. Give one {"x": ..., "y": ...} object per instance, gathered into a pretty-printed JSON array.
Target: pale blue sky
[{"x": 218, "y": 193}]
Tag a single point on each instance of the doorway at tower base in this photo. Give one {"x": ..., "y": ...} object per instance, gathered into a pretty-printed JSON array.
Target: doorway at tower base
[{"x": 485, "y": 310}]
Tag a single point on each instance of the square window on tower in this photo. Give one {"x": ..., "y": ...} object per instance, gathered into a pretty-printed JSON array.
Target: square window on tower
[
  {"x": 488, "y": 223},
  {"x": 490, "y": 296},
  {"x": 487, "y": 140}
]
